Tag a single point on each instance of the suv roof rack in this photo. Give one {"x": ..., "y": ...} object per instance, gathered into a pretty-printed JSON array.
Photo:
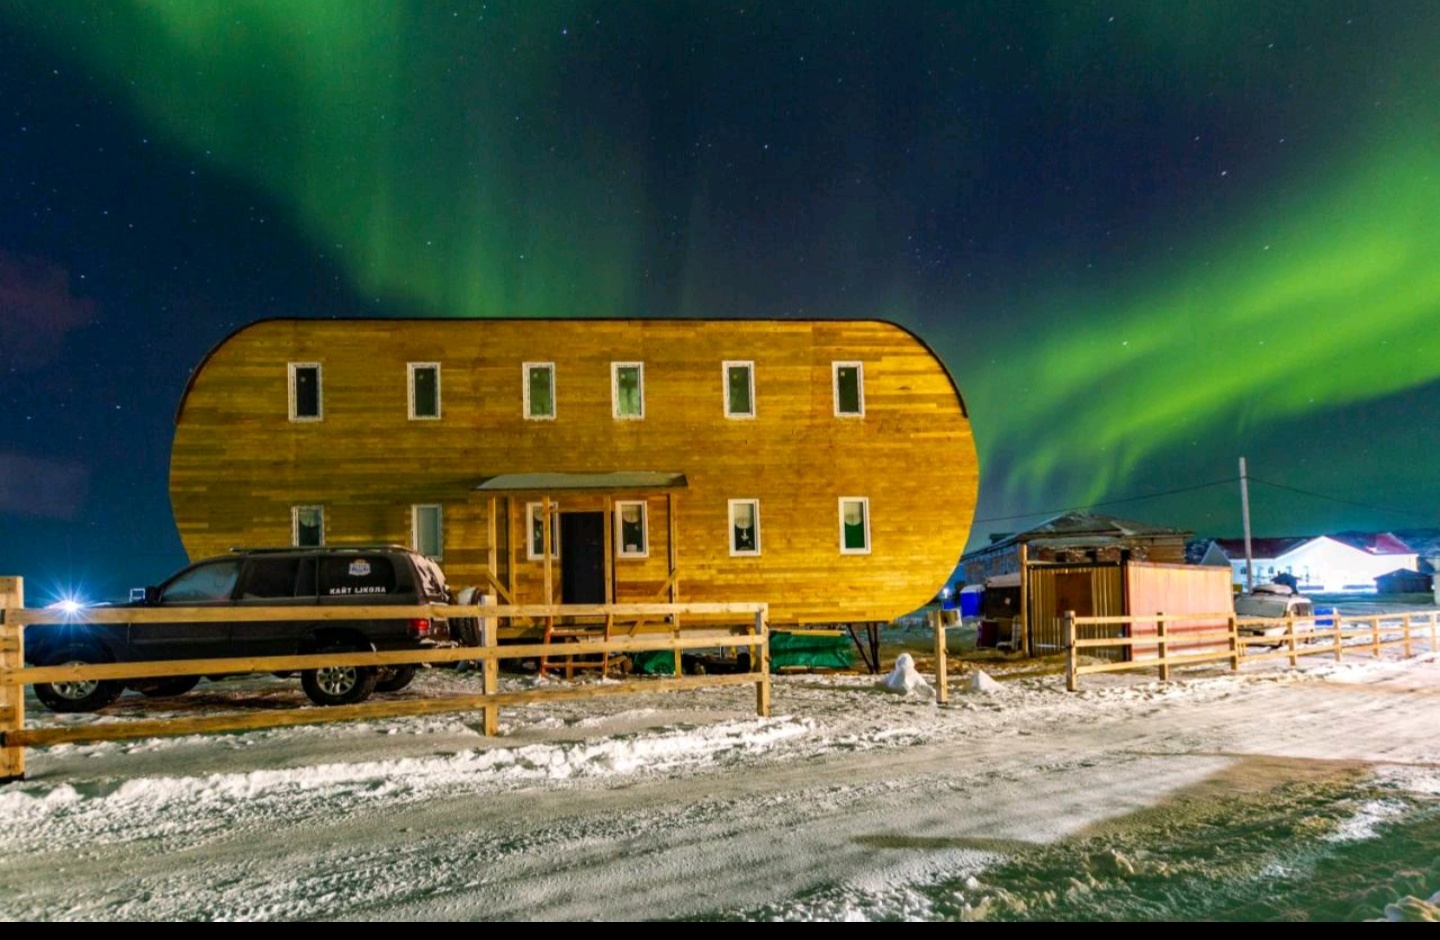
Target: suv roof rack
[{"x": 365, "y": 546}]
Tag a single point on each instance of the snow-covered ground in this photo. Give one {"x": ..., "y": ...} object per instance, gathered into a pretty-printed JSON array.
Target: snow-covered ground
[{"x": 1271, "y": 794}]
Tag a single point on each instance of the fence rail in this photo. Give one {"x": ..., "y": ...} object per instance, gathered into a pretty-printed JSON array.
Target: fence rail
[
  {"x": 1242, "y": 640},
  {"x": 724, "y": 626}
]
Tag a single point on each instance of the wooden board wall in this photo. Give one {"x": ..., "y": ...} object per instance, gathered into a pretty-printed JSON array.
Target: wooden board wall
[{"x": 239, "y": 464}]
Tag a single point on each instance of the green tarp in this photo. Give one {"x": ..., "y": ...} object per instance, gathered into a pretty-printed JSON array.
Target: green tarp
[
  {"x": 810, "y": 650},
  {"x": 787, "y": 651}
]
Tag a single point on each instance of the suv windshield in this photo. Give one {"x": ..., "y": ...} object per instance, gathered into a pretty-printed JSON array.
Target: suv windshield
[{"x": 209, "y": 582}]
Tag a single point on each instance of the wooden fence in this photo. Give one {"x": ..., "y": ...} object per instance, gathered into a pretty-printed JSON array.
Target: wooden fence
[
  {"x": 723, "y": 626},
  {"x": 1242, "y": 640}
]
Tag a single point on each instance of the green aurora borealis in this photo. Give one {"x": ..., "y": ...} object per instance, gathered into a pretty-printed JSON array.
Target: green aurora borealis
[{"x": 1146, "y": 238}]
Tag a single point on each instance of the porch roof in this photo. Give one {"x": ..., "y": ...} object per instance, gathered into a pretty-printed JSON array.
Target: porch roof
[{"x": 619, "y": 480}]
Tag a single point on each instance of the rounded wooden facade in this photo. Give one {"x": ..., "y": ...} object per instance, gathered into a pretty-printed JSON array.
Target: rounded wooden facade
[{"x": 371, "y": 428}]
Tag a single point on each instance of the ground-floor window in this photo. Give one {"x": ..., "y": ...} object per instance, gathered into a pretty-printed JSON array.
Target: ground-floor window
[
  {"x": 631, "y": 529},
  {"x": 535, "y": 525},
  {"x": 744, "y": 526},
  {"x": 427, "y": 537},
  {"x": 307, "y": 525},
  {"x": 854, "y": 525}
]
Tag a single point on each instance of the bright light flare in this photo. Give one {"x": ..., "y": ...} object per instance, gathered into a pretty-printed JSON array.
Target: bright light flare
[{"x": 69, "y": 605}]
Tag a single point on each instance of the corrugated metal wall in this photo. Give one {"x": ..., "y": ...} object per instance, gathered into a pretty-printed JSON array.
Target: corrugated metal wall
[
  {"x": 1178, "y": 589},
  {"x": 1091, "y": 590}
]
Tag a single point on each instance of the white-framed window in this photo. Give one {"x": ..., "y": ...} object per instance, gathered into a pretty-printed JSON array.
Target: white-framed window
[
  {"x": 305, "y": 401},
  {"x": 307, "y": 525},
  {"x": 744, "y": 527},
  {"x": 535, "y": 526},
  {"x": 849, "y": 389},
  {"x": 739, "y": 389},
  {"x": 632, "y": 529},
  {"x": 424, "y": 385},
  {"x": 538, "y": 380},
  {"x": 627, "y": 389},
  {"x": 854, "y": 525},
  {"x": 427, "y": 535}
]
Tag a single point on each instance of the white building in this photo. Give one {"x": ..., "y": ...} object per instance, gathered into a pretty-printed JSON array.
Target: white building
[{"x": 1323, "y": 564}]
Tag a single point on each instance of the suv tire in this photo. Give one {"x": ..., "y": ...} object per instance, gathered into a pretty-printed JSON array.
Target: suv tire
[
  {"x": 394, "y": 678},
  {"x": 85, "y": 696},
  {"x": 339, "y": 685}
]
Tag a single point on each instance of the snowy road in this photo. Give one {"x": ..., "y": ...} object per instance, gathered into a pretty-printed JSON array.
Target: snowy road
[{"x": 1218, "y": 796}]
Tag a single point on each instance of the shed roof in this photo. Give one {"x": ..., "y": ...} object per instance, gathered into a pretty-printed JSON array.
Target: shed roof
[{"x": 1075, "y": 529}]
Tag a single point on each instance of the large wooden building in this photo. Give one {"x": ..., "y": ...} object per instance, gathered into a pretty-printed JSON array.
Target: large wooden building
[{"x": 825, "y": 467}]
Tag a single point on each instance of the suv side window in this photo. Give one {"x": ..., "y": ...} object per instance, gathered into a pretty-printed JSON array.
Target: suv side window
[
  {"x": 268, "y": 578},
  {"x": 345, "y": 575},
  {"x": 211, "y": 582}
]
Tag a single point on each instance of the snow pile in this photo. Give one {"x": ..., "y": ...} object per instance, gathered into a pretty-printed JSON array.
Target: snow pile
[
  {"x": 906, "y": 680},
  {"x": 982, "y": 683}
]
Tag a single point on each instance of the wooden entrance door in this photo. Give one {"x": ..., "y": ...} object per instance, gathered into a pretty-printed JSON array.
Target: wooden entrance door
[{"x": 582, "y": 558}]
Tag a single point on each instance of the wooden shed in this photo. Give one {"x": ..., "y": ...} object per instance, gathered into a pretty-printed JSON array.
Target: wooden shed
[
  {"x": 1141, "y": 589},
  {"x": 1075, "y": 537},
  {"x": 825, "y": 467}
]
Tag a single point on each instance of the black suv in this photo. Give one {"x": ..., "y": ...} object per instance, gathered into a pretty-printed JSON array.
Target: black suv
[{"x": 310, "y": 580}]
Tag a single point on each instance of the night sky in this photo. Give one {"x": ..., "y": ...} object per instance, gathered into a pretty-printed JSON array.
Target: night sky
[{"x": 1146, "y": 238}]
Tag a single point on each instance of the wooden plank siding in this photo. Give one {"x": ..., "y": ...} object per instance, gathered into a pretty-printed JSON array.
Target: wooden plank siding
[{"x": 239, "y": 464}]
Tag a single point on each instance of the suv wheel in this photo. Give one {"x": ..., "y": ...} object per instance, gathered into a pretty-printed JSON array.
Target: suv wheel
[
  {"x": 339, "y": 685},
  {"x": 83, "y": 696},
  {"x": 394, "y": 678}
]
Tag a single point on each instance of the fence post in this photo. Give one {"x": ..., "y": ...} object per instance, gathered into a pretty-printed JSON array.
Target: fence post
[
  {"x": 490, "y": 669},
  {"x": 12, "y": 693},
  {"x": 1235, "y": 648},
  {"x": 1339, "y": 632},
  {"x": 937, "y": 622},
  {"x": 762, "y": 685},
  {"x": 1290, "y": 637},
  {"x": 1160, "y": 646},
  {"x": 1432, "y": 631},
  {"x": 1406, "y": 628},
  {"x": 1375, "y": 636},
  {"x": 1072, "y": 660}
]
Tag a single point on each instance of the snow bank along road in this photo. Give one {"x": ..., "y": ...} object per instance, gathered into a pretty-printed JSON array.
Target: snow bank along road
[{"x": 1272, "y": 794}]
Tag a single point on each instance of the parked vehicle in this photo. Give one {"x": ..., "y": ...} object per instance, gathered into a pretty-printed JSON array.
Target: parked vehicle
[
  {"x": 1274, "y": 602},
  {"x": 312, "y": 581}
]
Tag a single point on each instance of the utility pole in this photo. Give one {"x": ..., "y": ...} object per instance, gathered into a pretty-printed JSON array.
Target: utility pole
[{"x": 1245, "y": 513}]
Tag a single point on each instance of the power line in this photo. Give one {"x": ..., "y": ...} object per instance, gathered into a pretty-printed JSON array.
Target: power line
[
  {"x": 1112, "y": 502},
  {"x": 1348, "y": 502}
]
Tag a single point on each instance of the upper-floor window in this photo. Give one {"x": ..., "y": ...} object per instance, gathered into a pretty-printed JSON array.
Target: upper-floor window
[
  {"x": 631, "y": 529},
  {"x": 424, "y": 390},
  {"x": 739, "y": 389},
  {"x": 427, "y": 537},
  {"x": 307, "y": 525},
  {"x": 305, "y": 391},
  {"x": 539, "y": 390},
  {"x": 744, "y": 526},
  {"x": 535, "y": 525},
  {"x": 627, "y": 384},
  {"x": 854, "y": 525},
  {"x": 849, "y": 389}
]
